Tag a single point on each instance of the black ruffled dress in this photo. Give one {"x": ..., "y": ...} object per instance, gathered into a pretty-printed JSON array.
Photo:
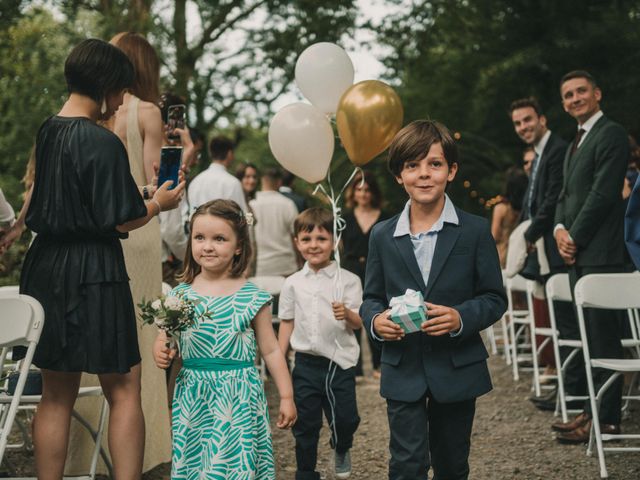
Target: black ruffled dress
[{"x": 75, "y": 267}]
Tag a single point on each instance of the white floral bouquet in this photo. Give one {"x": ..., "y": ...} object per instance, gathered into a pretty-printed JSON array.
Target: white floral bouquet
[{"x": 172, "y": 314}]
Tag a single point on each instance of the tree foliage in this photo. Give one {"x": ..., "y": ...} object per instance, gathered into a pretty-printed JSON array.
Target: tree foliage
[{"x": 463, "y": 61}]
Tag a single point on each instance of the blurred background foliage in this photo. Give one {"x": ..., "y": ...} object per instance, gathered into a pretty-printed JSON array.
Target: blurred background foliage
[{"x": 458, "y": 61}]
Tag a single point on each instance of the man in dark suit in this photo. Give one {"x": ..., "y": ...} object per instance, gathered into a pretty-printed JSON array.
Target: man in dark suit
[
  {"x": 432, "y": 377},
  {"x": 287, "y": 190},
  {"x": 632, "y": 225},
  {"x": 539, "y": 205},
  {"x": 589, "y": 232}
]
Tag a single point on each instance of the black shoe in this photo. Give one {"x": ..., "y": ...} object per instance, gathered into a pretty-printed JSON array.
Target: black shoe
[{"x": 546, "y": 402}]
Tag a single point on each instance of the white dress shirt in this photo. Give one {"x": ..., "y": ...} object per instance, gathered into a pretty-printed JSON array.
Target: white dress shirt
[
  {"x": 424, "y": 244},
  {"x": 273, "y": 230},
  {"x": 306, "y": 298},
  {"x": 215, "y": 183}
]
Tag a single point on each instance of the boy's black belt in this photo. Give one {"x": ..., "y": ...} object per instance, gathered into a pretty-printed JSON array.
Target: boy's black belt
[{"x": 312, "y": 359}]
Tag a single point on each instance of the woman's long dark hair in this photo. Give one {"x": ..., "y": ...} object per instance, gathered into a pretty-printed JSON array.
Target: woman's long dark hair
[{"x": 515, "y": 187}]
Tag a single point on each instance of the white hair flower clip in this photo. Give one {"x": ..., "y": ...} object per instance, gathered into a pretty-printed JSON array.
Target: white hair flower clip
[{"x": 248, "y": 216}]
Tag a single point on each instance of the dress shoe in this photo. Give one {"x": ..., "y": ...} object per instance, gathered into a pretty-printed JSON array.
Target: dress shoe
[
  {"x": 577, "y": 422},
  {"x": 545, "y": 402},
  {"x": 581, "y": 434}
]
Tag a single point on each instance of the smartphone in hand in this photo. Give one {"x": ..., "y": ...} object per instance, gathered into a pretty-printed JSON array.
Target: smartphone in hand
[
  {"x": 170, "y": 161},
  {"x": 176, "y": 118}
]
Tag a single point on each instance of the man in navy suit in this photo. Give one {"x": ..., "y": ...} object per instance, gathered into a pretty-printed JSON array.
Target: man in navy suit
[
  {"x": 539, "y": 205},
  {"x": 431, "y": 378},
  {"x": 632, "y": 225}
]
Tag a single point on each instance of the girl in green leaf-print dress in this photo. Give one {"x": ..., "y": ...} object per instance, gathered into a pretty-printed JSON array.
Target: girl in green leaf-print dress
[{"x": 220, "y": 420}]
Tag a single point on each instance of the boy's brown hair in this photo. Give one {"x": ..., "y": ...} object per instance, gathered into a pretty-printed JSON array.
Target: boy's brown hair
[
  {"x": 414, "y": 141},
  {"x": 231, "y": 212},
  {"x": 312, "y": 218}
]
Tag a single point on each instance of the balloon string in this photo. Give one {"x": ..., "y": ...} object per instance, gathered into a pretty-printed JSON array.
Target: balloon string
[{"x": 339, "y": 224}]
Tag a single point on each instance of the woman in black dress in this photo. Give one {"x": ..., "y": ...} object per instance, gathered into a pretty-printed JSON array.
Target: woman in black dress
[
  {"x": 83, "y": 202},
  {"x": 365, "y": 199}
]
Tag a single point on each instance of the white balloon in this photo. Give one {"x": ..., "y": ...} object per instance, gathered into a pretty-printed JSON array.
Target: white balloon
[
  {"x": 323, "y": 73},
  {"x": 301, "y": 139}
]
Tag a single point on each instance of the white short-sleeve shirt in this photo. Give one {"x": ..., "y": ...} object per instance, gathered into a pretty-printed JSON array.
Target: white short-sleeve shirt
[
  {"x": 215, "y": 183},
  {"x": 306, "y": 298}
]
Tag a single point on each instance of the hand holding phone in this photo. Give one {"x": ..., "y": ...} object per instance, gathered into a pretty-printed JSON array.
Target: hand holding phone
[{"x": 170, "y": 161}]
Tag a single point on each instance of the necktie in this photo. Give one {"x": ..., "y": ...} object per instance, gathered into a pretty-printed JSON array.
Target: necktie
[
  {"x": 530, "y": 186},
  {"x": 576, "y": 142}
]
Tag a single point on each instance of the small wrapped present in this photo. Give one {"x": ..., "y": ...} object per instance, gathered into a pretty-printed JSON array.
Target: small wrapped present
[{"x": 408, "y": 311}]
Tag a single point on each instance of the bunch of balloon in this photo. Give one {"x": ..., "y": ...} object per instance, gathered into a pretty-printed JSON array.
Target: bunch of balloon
[{"x": 368, "y": 115}]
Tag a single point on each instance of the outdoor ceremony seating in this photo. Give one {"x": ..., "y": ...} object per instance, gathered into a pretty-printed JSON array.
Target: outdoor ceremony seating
[
  {"x": 617, "y": 291},
  {"x": 520, "y": 321},
  {"x": 21, "y": 323}
]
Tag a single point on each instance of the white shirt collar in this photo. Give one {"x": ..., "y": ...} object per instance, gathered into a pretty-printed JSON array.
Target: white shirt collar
[
  {"x": 328, "y": 271},
  {"x": 217, "y": 166},
  {"x": 539, "y": 147},
  {"x": 448, "y": 215},
  {"x": 588, "y": 125}
]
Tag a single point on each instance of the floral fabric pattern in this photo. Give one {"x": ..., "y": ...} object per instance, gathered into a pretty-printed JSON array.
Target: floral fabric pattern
[{"x": 220, "y": 420}]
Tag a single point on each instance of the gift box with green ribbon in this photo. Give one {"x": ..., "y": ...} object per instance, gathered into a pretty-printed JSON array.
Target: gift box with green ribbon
[{"x": 408, "y": 311}]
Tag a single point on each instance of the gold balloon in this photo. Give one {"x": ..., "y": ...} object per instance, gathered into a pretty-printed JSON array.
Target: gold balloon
[{"x": 368, "y": 117}]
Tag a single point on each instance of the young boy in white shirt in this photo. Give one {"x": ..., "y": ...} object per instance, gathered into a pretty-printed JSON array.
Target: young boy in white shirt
[{"x": 318, "y": 309}]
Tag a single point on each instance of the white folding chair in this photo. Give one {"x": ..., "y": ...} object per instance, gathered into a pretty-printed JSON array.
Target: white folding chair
[
  {"x": 536, "y": 349},
  {"x": 272, "y": 284},
  {"x": 519, "y": 323},
  {"x": 21, "y": 322},
  {"x": 558, "y": 289},
  {"x": 615, "y": 291},
  {"x": 504, "y": 324}
]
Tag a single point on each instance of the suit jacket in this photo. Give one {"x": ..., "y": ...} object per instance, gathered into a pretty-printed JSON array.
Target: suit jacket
[
  {"x": 465, "y": 274},
  {"x": 544, "y": 197},
  {"x": 632, "y": 225},
  {"x": 590, "y": 204}
]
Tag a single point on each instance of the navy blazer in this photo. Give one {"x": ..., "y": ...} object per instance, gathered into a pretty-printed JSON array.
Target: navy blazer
[
  {"x": 632, "y": 225},
  {"x": 465, "y": 274},
  {"x": 544, "y": 198}
]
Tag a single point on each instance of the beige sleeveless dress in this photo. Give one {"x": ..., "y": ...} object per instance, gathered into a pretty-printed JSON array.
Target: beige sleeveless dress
[{"x": 142, "y": 253}]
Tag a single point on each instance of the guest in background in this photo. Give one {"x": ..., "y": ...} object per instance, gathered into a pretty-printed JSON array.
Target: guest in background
[
  {"x": 275, "y": 215},
  {"x": 216, "y": 182},
  {"x": 138, "y": 124},
  {"x": 506, "y": 213},
  {"x": 589, "y": 233},
  {"x": 527, "y": 159},
  {"x": 364, "y": 199},
  {"x": 248, "y": 175},
  {"x": 286, "y": 189},
  {"x": 82, "y": 202}
]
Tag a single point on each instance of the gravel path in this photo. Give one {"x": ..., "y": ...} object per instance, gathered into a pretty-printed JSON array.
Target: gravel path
[{"x": 511, "y": 440}]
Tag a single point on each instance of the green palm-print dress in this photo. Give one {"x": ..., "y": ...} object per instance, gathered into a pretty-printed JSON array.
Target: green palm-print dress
[{"x": 220, "y": 420}]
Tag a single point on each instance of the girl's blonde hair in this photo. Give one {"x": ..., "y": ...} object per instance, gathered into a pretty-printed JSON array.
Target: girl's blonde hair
[{"x": 231, "y": 212}]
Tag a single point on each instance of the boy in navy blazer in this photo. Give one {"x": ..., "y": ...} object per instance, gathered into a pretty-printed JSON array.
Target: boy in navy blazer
[{"x": 431, "y": 378}]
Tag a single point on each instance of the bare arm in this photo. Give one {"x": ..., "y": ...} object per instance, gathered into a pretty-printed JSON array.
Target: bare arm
[
  {"x": 284, "y": 335},
  {"x": 277, "y": 366},
  {"x": 163, "y": 199},
  {"x": 151, "y": 127},
  {"x": 16, "y": 230},
  {"x": 350, "y": 317},
  {"x": 496, "y": 220}
]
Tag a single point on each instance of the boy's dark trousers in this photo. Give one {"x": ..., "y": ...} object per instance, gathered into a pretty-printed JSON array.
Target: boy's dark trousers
[
  {"x": 310, "y": 394},
  {"x": 428, "y": 433}
]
